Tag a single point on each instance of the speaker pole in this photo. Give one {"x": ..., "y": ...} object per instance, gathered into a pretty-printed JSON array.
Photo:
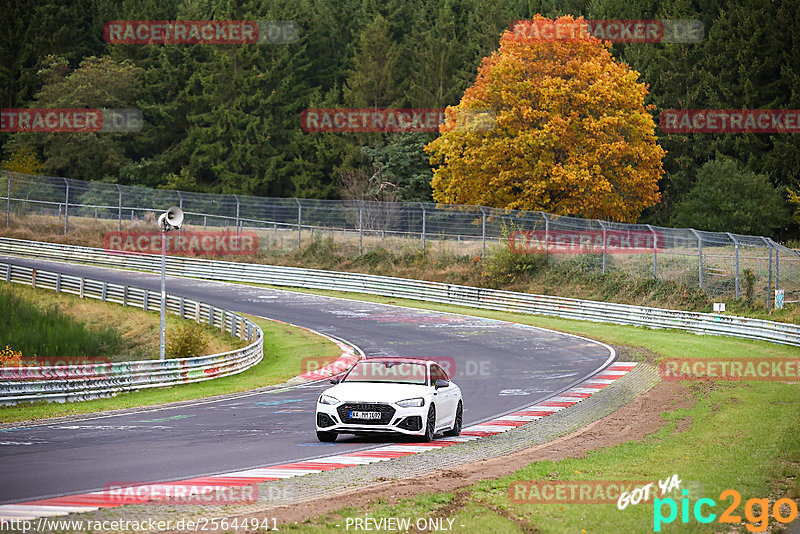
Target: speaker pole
[{"x": 172, "y": 219}]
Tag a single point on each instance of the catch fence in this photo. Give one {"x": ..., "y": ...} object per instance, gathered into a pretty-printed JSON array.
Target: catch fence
[{"x": 725, "y": 265}]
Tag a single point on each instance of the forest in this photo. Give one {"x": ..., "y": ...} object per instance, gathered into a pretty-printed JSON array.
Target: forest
[{"x": 225, "y": 118}]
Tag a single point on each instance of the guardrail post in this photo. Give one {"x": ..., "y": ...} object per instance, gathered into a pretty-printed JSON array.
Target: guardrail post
[
  {"x": 248, "y": 331},
  {"x": 105, "y": 290},
  {"x": 424, "y": 221},
  {"x": 605, "y": 243},
  {"x": 655, "y": 252},
  {"x": 83, "y": 285},
  {"x": 699, "y": 256},
  {"x": 119, "y": 208},
  {"x": 197, "y": 312},
  {"x": 145, "y": 294},
  {"x": 33, "y": 279},
  {"x": 182, "y": 308},
  {"x": 66, "y": 207},
  {"x": 124, "y": 295},
  {"x": 299, "y": 222},
  {"x": 58, "y": 283},
  {"x": 8, "y": 200},
  {"x": 735, "y": 261}
]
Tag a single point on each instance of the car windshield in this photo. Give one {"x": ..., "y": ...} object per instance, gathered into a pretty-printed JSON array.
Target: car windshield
[{"x": 393, "y": 372}]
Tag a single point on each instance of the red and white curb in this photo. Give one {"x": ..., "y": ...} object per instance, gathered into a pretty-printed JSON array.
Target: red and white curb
[{"x": 213, "y": 485}]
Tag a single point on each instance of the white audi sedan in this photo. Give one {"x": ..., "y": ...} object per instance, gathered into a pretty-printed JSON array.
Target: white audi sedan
[{"x": 407, "y": 396}]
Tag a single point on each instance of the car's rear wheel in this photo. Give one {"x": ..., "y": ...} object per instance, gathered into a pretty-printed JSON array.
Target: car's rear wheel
[
  {"x": 326, "y": 437},
  {"x": 456, "y": 430},
  {"x": 430, "y": 426}
]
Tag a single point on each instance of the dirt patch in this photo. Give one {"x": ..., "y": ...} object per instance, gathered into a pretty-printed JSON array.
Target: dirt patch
[
  {"x": 630, "y": 423},
  {"x": 626, "y": 353}
]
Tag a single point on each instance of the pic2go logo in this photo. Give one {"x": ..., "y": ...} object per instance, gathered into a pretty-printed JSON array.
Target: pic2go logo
[{"x": 758, "y": 521}]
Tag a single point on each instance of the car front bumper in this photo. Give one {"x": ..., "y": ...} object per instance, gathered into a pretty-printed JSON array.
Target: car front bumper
[{"x": 409, "y": 421}]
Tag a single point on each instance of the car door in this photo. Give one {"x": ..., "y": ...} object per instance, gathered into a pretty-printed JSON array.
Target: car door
[{"x": 446, "y": 398}]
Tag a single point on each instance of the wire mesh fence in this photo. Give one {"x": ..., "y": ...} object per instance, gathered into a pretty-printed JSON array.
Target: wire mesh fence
[{"x": 722, "y": 264}]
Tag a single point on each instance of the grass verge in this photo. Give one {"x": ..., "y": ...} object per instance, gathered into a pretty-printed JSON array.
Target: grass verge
[
  {"x": 41, "y": 322},
  {"x": 284, "y": 348},
  {"x": 737, "y": 435}
]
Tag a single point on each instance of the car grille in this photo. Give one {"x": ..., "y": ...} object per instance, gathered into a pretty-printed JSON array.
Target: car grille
[{"x": 387, "y": 412}]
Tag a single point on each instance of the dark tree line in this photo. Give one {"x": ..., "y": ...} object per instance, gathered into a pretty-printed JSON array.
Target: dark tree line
[{"x": 225, "y": 118}]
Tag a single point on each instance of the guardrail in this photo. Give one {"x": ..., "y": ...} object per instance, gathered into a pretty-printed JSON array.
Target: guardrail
[
  {"x": 489, "y": 299},
  {"x": 83, "y": 382}
]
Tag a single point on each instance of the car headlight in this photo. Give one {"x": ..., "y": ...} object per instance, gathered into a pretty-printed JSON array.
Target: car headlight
[
  {"x": 327, "y": 399},
  {"x": 408, "y": 403}
]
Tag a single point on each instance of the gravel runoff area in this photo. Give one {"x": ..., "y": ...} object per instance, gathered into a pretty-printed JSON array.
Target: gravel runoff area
[{"x": 276, "y": 497}]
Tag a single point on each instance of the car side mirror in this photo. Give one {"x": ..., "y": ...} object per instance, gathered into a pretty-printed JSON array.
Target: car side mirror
[
  {"x": 441, "y": 384},
  {"x": 334, "y": 380}
]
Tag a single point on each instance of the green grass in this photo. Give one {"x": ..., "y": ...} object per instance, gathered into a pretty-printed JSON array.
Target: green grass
[
  {"x": 284, "y": 348},
  {"x": 46, "y": 331},
  {"x": 42, "y": 323},
  {"x": 741, "y": 435}
]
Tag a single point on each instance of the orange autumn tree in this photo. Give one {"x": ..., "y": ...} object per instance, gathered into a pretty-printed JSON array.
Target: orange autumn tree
[{"x": 571, "y": 133}]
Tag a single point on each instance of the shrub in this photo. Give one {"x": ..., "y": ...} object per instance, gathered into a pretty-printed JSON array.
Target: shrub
[{"x": 188, "y": 341}]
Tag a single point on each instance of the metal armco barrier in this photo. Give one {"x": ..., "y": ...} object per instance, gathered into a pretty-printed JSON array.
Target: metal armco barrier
[
  {"x": 488, "y": 299},
  {"x": 91, "y": 381}
]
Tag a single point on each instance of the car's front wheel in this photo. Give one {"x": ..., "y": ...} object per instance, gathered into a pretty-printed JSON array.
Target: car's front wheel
[
  {"x": 326, "y": 437},
  {"x": 430, "y": 426},
  {"x": 456, "y": 430}
]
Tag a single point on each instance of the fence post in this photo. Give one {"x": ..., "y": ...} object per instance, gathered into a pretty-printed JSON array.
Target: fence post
[
  {"x": 119, "y": 209},
  {"x": 483, "y": 231},
  {"x": 360, "y": 227},
  {"x": 236, "y": 197},
  {"x": 66, "y": 207},
  {"x": 299, "y": 222},
  {"x": 424, "y": 221},
  {"x": 546, "y": 235},
  {"x": 777, "y": 263},
  {"x": 655, "y": 252},
  {"x": 8, "y": 200},
  {"x": 769, "y": 275},
  {"x": 605, "y": 243},
  {"x": 735, "y": 261},
  {"x": 699, "y": 256}
]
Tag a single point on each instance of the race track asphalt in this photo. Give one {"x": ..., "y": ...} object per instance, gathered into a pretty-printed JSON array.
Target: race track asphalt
[{"x": 501, "y": 367}]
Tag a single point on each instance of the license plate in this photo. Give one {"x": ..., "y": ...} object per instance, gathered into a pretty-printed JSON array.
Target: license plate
[{"x": 365, "y": 415}]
